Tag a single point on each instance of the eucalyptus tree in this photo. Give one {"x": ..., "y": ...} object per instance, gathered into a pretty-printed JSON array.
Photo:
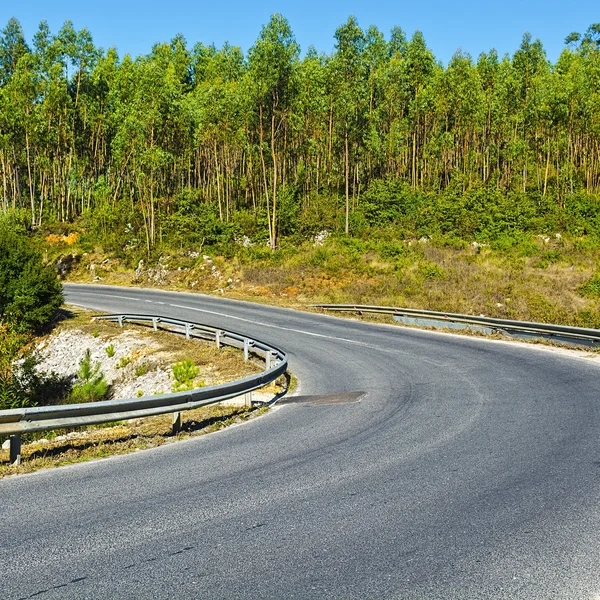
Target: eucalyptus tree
[
  {"x": 462, "y": 113},
  {"x": 12, "y": 47},
  {"x": 420, "y": 66},
  {"x": 22, "y": 94},
  {"x": 529, "y": 67},
  {"x": 350, "y": 95},
  {"x": 272, "y": 73},
  {"x": 488, "y": 68},
  {"x": 217, "y": 106},
  {"x": 312, "y": 113},
  {"x": 375, "y": 58}
]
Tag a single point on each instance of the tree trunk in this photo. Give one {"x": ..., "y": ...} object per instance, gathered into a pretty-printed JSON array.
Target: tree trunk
[
  {"x": 347, "y": 177},
  {"x": 273, "y": 241}
]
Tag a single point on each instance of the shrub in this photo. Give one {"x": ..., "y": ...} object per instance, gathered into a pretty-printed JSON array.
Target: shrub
[
  {"x": 142, "y": 369},
  {"x": 432, "y": 271},
  {"x": 110, "y": 350},
  {"x": 30, "y": 290},
  {"x": 22, "y": 385},
  {"x": 591, "y": 288},
  {"x": 92, "y": 386},
  {"x": 123, "y": 362},
  {"x": 184, "y": 373}
]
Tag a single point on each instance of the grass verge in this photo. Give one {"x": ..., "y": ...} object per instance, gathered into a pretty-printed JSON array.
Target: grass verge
[{"x": 64, "y": 448}]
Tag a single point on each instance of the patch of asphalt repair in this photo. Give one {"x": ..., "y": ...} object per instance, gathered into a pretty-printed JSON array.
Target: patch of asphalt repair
[{"x": 323, "y": 399}]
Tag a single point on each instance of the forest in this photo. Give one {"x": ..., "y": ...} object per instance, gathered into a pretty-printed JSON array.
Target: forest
[{"x": 207, "y": 145}]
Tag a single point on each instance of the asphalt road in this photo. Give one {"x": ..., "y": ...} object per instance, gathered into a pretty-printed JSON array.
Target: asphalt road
[{"x": 470, "y": 469}]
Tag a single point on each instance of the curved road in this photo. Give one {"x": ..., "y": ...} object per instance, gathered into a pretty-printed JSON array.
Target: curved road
[{"x": 470, "y": 469}]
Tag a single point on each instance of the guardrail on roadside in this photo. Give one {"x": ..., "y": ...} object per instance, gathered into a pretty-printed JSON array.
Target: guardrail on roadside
[
  {"x": 14, "y": 422},
  {"x": 574, "y": 336}
]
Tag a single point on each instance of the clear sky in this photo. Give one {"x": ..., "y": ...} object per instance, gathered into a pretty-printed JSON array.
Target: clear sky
[{"x": 133, "y": 26}]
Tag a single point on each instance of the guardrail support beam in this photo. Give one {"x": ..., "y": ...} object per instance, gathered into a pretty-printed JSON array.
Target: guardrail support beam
[
  {"x": 155, "y": 321},
  {"x": 176, "y": 422},
  {"x": 218, "y": 338},
  {"x": 120, "y": 319},
  {"x": 248, "y": 399},
  {"x": 188, "y": 330},
  {"x": 15, "y": 450},
  {"x": 246, "y": 348},
  {"x": 268, "y": 357}
]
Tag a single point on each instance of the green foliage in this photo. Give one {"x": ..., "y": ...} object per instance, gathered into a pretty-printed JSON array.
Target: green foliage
[
  {"x": 431, "y": 271},
  {"x": 591, "y": 288},
  {"x": 197, "y": 148},
  {"x": 91, "y": 385},
  {"x": 31, "y": 292},
  {"x": 123, "y": 362},
  {"x": 10, "y": 396},
  {"x": 21, "y": 384},
  {"x": 142, "y": 369},
  {"x": 110, "y": 350},
  {"x": 184, "y": 373},
  {"x": 548, "y": 258}
]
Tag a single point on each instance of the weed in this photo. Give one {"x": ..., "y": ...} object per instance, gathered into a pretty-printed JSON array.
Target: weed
[
  {"x": 142, "y": 369},
  {"x": 184, "y": 373},
  {"x": 591, "y": 288},
  {"x": 123, "y": 362},
  {"x": 92, "y": 386},
  {"x": 110, "y": 350}
]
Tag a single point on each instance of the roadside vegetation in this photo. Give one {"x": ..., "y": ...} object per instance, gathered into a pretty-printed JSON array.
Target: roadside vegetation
[{"x": 30, "y": 294}]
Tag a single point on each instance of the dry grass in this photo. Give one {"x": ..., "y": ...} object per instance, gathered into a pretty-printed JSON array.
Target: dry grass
[
  {"x": 121, "y": 438},
  {"x": 537, "y": 282},
  {"x": 164, "y": 348}
]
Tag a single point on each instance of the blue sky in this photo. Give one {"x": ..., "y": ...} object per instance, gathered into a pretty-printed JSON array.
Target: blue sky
[{"x": 133, "y": 26}]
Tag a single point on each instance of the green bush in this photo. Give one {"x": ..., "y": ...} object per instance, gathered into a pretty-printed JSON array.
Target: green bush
[
  {"x": 29, "y": 290},
  {"x": 91, "y": 386},
  {"x": 23, "y": 386},
  {"x": 142, "y": 369},
  {"x": 591, "y": 288},
  {"x": 184, "y": 373}
]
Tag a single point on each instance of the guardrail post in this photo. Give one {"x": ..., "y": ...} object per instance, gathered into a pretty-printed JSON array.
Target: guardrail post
[
  {"x": 188, "y": 329},
  {"x": 155, "y": 321},
  {"x": 248, "y": 399},
  {"x": 218, "y": 338},
  {"x": 246, "y": 348},
  {"x": 268, "y": 358},
  {"x": 15, "y": 450},
  {"x": 176, "y": 422},
  {"x": 120, "y": 319}
]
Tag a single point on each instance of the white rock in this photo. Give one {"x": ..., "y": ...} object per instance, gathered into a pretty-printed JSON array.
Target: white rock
[{"x": 319, "y": 238}]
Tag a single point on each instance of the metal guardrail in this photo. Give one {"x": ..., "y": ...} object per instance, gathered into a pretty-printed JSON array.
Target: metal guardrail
[
  {"x": 575, "y": 336},
  {"x": 14, "y": 422}
]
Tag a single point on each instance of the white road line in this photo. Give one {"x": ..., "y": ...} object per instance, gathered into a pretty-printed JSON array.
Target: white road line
[
  {"x": 301, "y": 331},
  {"x": 271, "y": 326}
]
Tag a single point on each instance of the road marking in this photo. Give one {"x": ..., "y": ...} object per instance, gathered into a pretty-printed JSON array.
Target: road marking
[
  {"x": 271, "y": 326},
  {"x": 301, "y": 331}
]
